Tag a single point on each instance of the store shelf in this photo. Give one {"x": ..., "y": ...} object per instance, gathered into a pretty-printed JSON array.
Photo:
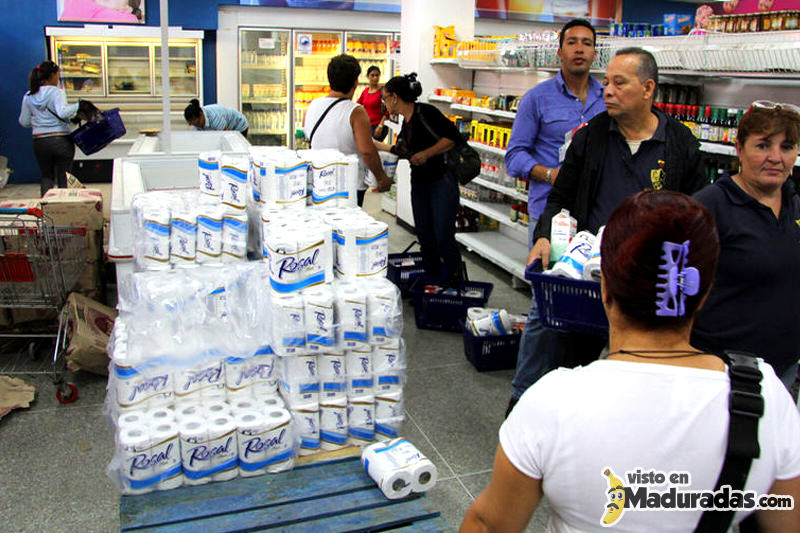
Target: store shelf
[
  {"x": 501, "y": 250},
  {"x": 264, "y": 100},
  {"x": 485, "y": 148},
  {"x": 63, "y": 75},
  {"x": 730, "y": 74},
  {"x": 442, "y": 99},
  {"x": 266, "y": 132},
  {"x": 495, "y": 213},
  {"x": 262, "y": 67},
  {"x": 85, "y": 58},
  {"x": 492, "y": 112},
  {"x": 508, "y": 191},
  {"x": 444, "y": 61},
  {"x": 725, "y": 149}
]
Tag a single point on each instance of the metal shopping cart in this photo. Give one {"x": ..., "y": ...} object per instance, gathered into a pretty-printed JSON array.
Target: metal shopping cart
[{"x": 39, "y": 264}]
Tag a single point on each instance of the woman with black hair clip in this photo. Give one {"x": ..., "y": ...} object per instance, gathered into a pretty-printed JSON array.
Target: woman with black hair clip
[
  {"x": 424, "y": 138},
  {"x": 45, "y": 109}
]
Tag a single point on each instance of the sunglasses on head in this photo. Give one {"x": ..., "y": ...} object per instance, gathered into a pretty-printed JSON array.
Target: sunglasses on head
[{"x": 766, "y": 104}]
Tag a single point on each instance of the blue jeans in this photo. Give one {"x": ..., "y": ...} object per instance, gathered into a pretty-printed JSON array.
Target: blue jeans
[
  {"x": 435, "y": 206},
  {"x": 537, "y": 346}
]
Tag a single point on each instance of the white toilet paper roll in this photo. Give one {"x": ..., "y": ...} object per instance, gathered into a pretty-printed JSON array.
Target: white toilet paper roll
[
  {"x": 333, "y": 380},
  {"x": 384, "y": 311},
  {"x": 400, "y": 454},
  {"x": 159, "y": 415},
  {"x": 225, "y": 451},
  {"x": 278, "y": 441},
  {"x": 195, "y": 453},
  {"x": 216, "y": 408},
  {"x": 251, "y": 425},
  {"x": 361, "y": 420},
  {"x": 389, "y": 381},
  {"x": 333, "y": 425},
  {"x": 358, "y": 363},
  {"x": 491, "y": 323},
  {"x": 326, "y": 180},
  {"x": 209, "y": 234},
  {"x": 319, "y": 318},
  {"x": 242, "y": 405},
  {"x": 423, "y": 475},
  {"x": 208, "y": 173},
  {"x": 297, "y": 259},
  {"x": 233, "y": 181},
  {"x": 389, "y": 414},
  {"x": 200, "y": 381},
  {"x": 306, "y": 418},
  {"x": 592, "y": 270},
  {"x": 389, "y": 356},
  {"x": 373, "y": 249},
  {"x": 135, "y": 469},
  {"x": 155, "y": 232},
  {"x": 299, "y": 382},
  {"x": 271, "y": 403},
  {"x": 360, "y": 386},
  {"x": 286, "y": 182},
  {"x": 252, "y": 376},
  {"x": 288, "y": 324},
  {"x": 476, "y": 312},
  {"x": 146, "y": 388},
  {"x": 395, "y": 483},
  {"x": 133, "y": 419},
  {"x": 577, "y": 253},
  {"x": 351, "y": 310},
  {"x": 189, "y": 411},
  {"x": 234, "y": 237},
  {"x": 165, "y": 455},
  {"x": 183, "y": 238},
  {"x": 389, "y": 163}
]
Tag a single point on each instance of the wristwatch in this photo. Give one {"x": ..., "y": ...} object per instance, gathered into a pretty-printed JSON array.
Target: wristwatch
[{"x": 549, "y": 176}]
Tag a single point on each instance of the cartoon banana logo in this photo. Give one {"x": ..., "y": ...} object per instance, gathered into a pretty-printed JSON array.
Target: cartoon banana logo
[{"x": 616, "y": 499}]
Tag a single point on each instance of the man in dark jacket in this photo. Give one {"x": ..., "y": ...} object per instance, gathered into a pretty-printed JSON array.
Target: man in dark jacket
[{"x": 631, "y": 147}]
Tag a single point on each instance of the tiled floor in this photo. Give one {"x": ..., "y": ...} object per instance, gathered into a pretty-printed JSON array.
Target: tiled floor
[{"x": 53, "y": 456}]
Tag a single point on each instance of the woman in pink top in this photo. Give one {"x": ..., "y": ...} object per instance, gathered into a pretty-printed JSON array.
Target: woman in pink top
[{"x": 103, "y": 10}]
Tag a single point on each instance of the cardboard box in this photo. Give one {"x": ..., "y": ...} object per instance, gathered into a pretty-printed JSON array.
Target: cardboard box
[
  {"x": 75, "y": 207},
  {"x": 88, "y": 327}
]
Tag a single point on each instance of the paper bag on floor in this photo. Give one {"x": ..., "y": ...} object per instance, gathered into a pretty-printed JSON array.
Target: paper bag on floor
[
  {"x": 14, "y": 394},
  {"x": 88, "y": 327}
]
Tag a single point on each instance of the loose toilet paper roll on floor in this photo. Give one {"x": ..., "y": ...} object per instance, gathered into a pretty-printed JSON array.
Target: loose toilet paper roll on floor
[
  {"x": 233, "y": 181},
  {"x": 333, "y": 424},
  {"x": 423, "y": 475},
  {"x": 319, "y": 318},
  {"x": 234, "y": 237},
  {"x": 306, "y": 418},
  {"x": 395, "y": 483},
  {"x": 402, "y": 454},
  {"x": 208, "y": 173},
  {"x": 136, "y": 474},
  {"x": 193, "y": 433},
  {"x": 225, "y": 450},
  {"x": 361, "y": 420},
  {"x": 209, "y": 234},
  {"x": 183, "y": 238},
  {"x": 165, "y": 455}
]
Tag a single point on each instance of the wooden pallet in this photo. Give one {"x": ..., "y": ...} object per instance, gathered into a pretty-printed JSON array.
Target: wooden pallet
[{"x": 332, "y": 496}]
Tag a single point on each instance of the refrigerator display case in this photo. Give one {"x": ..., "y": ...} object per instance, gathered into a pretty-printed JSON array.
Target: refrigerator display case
[
  {"x": 312, "y": 52},
  {"x": 370, "y": 49},
  {"x": 182, "y": 70},
  {"x": 82, "y": 68},
  {"x": 264, "y": 71}
]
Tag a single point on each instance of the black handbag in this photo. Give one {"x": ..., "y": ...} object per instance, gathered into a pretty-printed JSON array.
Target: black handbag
[{"x": 462, "y": 160}]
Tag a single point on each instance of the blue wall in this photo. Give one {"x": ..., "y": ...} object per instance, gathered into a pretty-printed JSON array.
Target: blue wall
[
  {"x": 652, "y": 12},
  {"x": 23, "y": 45}
]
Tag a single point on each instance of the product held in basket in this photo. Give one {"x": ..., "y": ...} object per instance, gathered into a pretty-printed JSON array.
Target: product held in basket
[
  {"x": 581, "y": 257},
  {"x": 484, "y": 322}
]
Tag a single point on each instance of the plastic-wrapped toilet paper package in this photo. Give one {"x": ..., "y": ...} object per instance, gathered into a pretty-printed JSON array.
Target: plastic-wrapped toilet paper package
[
  {"x": 319, "y": 318},
  {"x": 384, "y": 310},
  {"x": 208, "y": 174},
  {"x": 288, "y": 324},
  {"x": 251, "y": 376},
  {"x": 485, "y": 322},
  {"x": 234, "y": 237},
  {"x": 570, "y": 265},
  {"x": 209, "y": 234},
  {"x": 258, "y": 155},
  {"x": 361, "y": 247},
  {"x": 183, "y": 236},
  {"x": 299, "y": 379},
  {"x": 332, "y": 377},
  {"x": 389, "y": 414},
  {"x": 361, "y": 420},
  {"x": 592, "y": 268},
  {"x": 265, "y": 441},
  {"x": 389, "y": 357},
  {"x": 151, "y": 231},
  {"x": 351, "y": 311},
  {"x": 298, "y": 258},
  {"x": 233, "y": 182},
  {"x": 358, "y": 386},
  {"x": 333, "y": 177},
  {"x": 284, "y": 179},
  {"x": 389, "y": 162},
  {"x": 389, "y": 381},
  {"x": 143, "y": 387},
  {"x": 207, "y": 380},
  {"x": 385, "y": 459},
  {"x": 209, "y": 449},
  {"x": 148, "y": 458},
  {"x": 358, "y": 363},
  {"x": 333, "y": 424},
  {"x": 306, "y": 420}
]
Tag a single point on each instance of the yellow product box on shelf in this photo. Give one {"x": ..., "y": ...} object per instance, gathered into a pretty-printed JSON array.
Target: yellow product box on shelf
[
  {"x": 444, "y": 41},
  {"x": 245, "y": 90}
]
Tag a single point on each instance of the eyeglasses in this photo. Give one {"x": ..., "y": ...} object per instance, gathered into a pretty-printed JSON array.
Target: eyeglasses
[{"x": 766, "y": 104}]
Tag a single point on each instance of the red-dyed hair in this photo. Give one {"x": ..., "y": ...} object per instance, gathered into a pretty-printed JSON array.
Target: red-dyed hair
[{"x": 632, "y": 252}]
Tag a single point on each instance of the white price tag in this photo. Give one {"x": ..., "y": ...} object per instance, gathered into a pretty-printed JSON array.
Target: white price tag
[{"x": 266, "y": 43}]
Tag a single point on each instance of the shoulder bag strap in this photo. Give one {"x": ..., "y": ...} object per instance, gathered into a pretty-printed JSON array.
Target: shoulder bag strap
[
  {"x": 746, "y": 406},
  {"x": 418, "y": 111},
  {"x": 321, "y": 118}
]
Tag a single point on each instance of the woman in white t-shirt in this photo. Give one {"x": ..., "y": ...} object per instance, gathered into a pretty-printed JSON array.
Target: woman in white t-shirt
[
  {"x": 335, "y": 121},
  {"x": 616, "y": 443}
]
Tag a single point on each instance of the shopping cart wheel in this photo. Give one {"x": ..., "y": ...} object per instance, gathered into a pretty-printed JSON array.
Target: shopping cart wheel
[{"x": 67, "y": 393}]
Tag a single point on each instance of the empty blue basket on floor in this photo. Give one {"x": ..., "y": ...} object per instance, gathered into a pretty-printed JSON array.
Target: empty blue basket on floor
[{"x": 94, "y": 136}]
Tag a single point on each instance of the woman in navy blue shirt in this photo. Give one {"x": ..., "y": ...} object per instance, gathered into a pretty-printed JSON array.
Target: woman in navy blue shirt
[{"x": 755, "y": 302}]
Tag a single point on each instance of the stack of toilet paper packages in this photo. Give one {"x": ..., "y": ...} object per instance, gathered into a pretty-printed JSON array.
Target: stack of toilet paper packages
[
  {"x": 486, "y": 322},
  {"x": 398, "y": 468},
  {"x": 389, "y": 162},
  {"x": 581, "y": 257},
  {"x": 183, "y": 229},
  {"x": 239, "y": 379}
]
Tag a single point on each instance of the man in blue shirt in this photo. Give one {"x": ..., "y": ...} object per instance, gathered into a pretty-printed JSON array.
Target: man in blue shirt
[
  {"x": 545, "y": 115},
  {"x": 215, "y": 117}
]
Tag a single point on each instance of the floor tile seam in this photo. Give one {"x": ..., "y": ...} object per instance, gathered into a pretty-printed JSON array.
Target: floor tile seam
[
  {"x": 476, "y": 473},
  {"x": 435, "y": 449}
]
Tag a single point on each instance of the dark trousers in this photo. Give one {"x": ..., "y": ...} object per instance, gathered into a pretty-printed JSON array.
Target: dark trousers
[
  {"x": 360, "y": 197},
  {"x": 54, "y": 156},
  {"x": 435, "y": 206}
]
